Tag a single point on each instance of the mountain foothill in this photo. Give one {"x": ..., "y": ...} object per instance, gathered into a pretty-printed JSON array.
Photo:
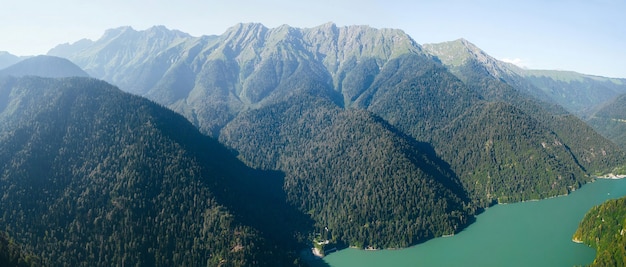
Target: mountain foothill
[{"x": 158, "y": 148}]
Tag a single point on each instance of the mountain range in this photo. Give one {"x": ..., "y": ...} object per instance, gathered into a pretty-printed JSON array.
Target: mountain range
[
  {"x": 578, "y": 93},
  {"x": 354, "y": 135},
  {"x": 176, "y": 59}
]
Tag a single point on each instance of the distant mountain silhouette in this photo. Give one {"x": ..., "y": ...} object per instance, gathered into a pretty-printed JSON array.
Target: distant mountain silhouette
[
  {"x": 8, "y": 59},
  {"x": 44, "y": 66}
]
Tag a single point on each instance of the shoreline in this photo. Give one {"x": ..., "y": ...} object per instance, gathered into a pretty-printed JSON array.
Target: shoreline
[
  {"x": 611, "y": 176},
  {"x": 317, "y": 253}
]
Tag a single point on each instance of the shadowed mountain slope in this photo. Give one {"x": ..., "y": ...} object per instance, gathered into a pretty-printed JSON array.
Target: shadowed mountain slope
[
  {"x": 94, "y": 176},
  {"x": 351, "y": 170}
]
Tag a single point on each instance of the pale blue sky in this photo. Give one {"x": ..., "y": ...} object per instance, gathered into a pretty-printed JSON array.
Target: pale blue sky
[{"x": 587, "y": 36}]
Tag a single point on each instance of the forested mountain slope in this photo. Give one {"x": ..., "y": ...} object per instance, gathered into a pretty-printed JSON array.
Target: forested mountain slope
[
  {"x": 603, "y": 228},
  {"x": 357, "y": 176},
  {"x": 11, "y": 254},
  {"x": 96, "y": 177},
  {"x": 610, "y": 120},
  {"x": 505, "y": 155},
  {"x": 578, "y": 93},
  {"x": 481, "y": 140},
  {"x": 499, "y": 81}
]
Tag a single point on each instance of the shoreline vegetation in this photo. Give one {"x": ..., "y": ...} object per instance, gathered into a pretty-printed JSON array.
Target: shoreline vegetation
[
  {"x": 604, "y": 220},
  {"x": 318, "y": 254},
  {"x": 609, "y": 176}
]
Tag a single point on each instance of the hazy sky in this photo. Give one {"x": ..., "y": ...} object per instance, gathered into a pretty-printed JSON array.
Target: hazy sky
[{"x": 587, "y": 36}]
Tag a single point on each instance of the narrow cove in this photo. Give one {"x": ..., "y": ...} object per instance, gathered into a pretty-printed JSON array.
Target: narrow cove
[{"x": 534, "y": 233}]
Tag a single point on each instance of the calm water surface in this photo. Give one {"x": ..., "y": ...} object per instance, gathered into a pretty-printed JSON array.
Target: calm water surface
[{"x": 536, "y": 233}]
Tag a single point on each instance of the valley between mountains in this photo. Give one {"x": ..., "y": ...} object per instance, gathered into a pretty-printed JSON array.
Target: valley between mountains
[{"x": 158, "y": 148}]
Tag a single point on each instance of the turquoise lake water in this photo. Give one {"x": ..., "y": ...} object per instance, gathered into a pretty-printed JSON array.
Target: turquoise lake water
[{"x": 535, "y": 233}]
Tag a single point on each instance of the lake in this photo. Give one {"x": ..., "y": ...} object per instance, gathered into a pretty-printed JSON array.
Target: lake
[{"x": 535, "y": 233}]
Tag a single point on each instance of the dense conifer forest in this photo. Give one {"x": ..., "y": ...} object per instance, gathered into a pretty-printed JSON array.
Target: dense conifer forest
[
  {"x": 94, "y": 176},
  {"x": 603, "y": 228},
  {"x": 12, "y": 254}
]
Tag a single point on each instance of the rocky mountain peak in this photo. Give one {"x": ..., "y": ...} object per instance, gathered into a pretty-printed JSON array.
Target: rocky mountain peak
[
  {"x": 459, "y": 52},
  {"x": 244, "y": 31},
  {"x": 337, "y": 45},
  {"x": 162, "y": 31},
  {"x": 115, "y": 32}
]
